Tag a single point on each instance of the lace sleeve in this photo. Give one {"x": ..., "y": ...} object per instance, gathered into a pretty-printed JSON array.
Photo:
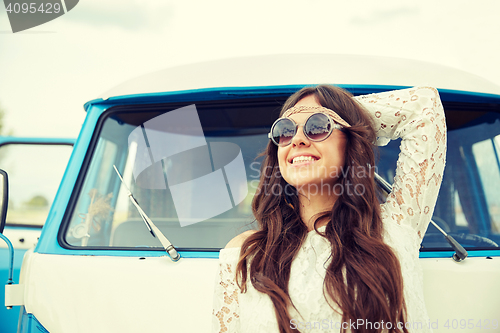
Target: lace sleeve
[
  {"x": 416, "y": 116},
  {"x": 225, "y": 313}
]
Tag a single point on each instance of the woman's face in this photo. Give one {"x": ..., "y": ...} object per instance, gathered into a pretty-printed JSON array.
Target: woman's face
[{"x": 322, "y": 162}]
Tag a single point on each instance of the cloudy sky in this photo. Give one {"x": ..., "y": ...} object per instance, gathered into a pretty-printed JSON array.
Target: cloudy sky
[{"x": 48, "y": 72}]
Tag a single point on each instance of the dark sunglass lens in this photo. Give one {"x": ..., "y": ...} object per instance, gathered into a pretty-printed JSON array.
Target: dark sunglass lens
[
  {"x": 318, "y": 127},
  {"x": 283, "y": 132}
]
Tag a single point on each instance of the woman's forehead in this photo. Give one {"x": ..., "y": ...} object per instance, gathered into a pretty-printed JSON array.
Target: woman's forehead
[
  {"x": 309, "y": 100},
  {"x": 300, "y": 117}
]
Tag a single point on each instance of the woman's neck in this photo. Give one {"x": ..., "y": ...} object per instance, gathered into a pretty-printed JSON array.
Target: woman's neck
[{"x": 311, "y": 205}]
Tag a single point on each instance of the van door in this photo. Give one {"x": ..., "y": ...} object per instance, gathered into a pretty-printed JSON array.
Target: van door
[{"x": 35, "y": 167}]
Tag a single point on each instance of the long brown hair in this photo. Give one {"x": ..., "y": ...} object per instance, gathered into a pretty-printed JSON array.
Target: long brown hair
[{"x": 364, "y": 275}]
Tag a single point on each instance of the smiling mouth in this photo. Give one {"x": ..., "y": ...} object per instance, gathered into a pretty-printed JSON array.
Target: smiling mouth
[{"x": 303, "y": 159}]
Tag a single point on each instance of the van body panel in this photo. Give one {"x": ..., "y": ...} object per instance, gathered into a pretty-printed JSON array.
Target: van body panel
[
  {"x": 125, "y": 294},
  {"x": 130, "y": 294}
]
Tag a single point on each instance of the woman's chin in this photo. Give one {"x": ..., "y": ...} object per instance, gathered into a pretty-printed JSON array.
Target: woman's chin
[{"x": 313, "y": 186}]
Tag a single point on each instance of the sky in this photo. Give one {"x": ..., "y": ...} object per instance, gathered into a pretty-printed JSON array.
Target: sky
[{"x": 48, "y": 72}]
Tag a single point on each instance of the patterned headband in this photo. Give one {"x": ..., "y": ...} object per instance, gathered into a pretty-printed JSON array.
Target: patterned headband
[{"x": 333, "y": 114}]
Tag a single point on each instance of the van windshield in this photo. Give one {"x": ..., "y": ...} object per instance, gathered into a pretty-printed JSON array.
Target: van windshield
[{"x": 194, "y": 169}]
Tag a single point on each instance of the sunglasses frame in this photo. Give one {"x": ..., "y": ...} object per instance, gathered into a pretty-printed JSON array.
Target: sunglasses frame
[{"x": 333, "y": 126}]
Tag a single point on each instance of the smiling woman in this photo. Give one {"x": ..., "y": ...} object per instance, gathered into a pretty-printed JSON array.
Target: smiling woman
[
  {"x": 312, "y": 166},
  {"x": 364, "y": 252}
]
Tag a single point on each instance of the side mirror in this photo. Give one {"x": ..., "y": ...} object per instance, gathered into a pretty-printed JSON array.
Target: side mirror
[{"x": 4, "y": 198}]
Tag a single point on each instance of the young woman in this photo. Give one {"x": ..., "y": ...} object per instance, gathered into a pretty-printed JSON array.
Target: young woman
[{"x": 327, "y": 256}]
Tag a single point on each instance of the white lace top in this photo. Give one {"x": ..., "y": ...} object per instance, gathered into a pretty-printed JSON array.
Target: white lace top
[{"x": 415, "y": 115}]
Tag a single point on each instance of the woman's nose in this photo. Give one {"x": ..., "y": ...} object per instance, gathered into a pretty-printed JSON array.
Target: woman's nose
[{"x": 300, "y": 138}]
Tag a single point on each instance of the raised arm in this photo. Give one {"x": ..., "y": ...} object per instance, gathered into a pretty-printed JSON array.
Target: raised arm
[
  {"x": 225, "y": 303},
  {"x": 416, "y": 116}
]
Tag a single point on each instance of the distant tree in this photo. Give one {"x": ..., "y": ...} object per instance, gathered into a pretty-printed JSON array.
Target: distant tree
[
  {"x": 2, "y": 121},
  {"x": 38, "y": 201},
  {"x": 5, "y": 149},
  {"x": 2, "y": 114}
]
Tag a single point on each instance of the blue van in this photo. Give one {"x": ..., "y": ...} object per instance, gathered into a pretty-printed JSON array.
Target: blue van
[{"x": 97, "y": 266}]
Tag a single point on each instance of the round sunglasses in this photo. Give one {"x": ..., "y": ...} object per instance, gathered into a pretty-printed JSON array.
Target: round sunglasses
[{"x": 317, "y": 127}]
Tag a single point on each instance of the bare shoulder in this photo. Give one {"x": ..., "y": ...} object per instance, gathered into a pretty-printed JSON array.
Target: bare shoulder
[{"x": 240, "y": 239}]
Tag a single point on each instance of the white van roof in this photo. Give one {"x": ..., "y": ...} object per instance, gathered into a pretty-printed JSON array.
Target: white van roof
[{"x": 296, "y": 69}]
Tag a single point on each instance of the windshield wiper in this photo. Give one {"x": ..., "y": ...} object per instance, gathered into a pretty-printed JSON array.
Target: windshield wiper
[
  {"x": 153, "y": 229},
  {"x": 460, "y": 253}
]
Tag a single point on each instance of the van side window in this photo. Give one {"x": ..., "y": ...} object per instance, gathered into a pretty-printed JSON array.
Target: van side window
[{"x": 35, "y": 171}]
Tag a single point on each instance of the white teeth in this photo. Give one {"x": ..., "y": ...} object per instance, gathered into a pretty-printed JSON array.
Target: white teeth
[{"x": 300, "y": 159}]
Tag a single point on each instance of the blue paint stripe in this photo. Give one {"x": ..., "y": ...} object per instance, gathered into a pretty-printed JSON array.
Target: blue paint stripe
[
  {"x": 36, "y": 140},
  {"x": 472, "y": 254},
  {"x": 238, "y": 92},
  {"x": 215, "y": 254},
  {"x": 135, "y": 253}
]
